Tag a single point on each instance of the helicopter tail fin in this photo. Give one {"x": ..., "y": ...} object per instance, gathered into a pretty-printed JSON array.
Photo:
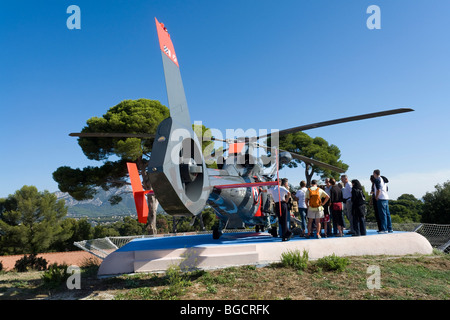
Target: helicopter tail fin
[
  {"x": 174, "y": 85},
  {"x": 181, "y": 183},
  {"x": 138, "y": 193}
]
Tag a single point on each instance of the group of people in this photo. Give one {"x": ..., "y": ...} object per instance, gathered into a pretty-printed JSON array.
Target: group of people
[{"x": 324, "y": 207}]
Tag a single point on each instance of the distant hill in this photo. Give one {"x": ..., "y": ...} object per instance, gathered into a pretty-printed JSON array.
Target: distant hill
[{"x": 99, "y": 205}]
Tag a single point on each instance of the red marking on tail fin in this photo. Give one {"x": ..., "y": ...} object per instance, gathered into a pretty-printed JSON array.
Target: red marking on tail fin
[
  {"x": 165, "y": 43},
  {"x": 138, "y": 193}
]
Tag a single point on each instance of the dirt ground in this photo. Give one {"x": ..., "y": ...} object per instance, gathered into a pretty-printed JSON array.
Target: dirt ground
[{"x": 70, "y": 258}]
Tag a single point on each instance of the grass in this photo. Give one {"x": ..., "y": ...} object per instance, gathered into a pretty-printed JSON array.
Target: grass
[
  {"x": 295, "y": 259},
  {"x": 401, "y": 278},
  {"x": 333, "y": 263}
]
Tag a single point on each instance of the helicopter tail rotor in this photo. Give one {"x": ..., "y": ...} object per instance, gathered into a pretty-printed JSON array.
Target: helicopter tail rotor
[{"x": 177, "y": 170}]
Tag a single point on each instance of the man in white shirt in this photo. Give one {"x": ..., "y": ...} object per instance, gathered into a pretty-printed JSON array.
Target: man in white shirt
[
  {"x": 300, "y": 197},
  {"x": 347, "y": 196},
  {"x": 382, "y": 198},
  {"x": 282, "y": 192}
]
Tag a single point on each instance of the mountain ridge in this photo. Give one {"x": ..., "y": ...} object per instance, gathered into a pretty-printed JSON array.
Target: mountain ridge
[{"x": 99, "y": 205}]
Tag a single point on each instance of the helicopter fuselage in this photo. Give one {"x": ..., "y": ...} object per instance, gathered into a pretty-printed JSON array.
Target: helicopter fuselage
[{"x": 244, "y": 206}]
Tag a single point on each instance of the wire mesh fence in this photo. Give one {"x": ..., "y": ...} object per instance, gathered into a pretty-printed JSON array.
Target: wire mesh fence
[{"x": 437, "y": 234}]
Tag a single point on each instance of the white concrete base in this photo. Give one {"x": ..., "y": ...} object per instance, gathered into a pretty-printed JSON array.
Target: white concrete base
[{"x": 225, "y": 255}]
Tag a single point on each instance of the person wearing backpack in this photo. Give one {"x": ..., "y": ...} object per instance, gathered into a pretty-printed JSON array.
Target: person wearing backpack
[
  {"x": 382, "y": 197},
  {"x": 358, "y": 209},
  {"x": 314, "y": 205}
]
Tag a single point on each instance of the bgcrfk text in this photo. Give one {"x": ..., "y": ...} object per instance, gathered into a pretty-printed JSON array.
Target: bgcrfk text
[{"x": 247, "y": 309}]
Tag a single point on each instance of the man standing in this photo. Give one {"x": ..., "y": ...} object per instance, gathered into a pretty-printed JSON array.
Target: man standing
[
  {"x": 280, "y": 195},
  {"x": 327, "y": 210},
  {"x": 382, "y": 197},
  {"x": 314, "y": 203},
  {"x": 300, "y": 196},
  {"x": 347, "y": 196}
]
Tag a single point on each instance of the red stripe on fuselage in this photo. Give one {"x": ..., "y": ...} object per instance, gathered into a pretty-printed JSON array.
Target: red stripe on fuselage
[{"x": 247, "y": 185}]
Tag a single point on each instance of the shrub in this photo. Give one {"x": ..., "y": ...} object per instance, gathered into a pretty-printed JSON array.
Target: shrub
[
  {"x": 90, "y": 266},
  {"x": 30, "y": 262},
  {"x": 333, "y": 262},
  {"x": 55, "y": 275},
  {"x": 178, "y": 282},
  {"x": 295, "y": 259}
]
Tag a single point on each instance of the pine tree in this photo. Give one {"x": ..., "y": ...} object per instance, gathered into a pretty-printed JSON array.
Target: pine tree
[{"x": 30, "y": 221}]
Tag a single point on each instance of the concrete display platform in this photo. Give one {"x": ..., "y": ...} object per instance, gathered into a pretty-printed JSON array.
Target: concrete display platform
[{"x": 249, "y": 248}]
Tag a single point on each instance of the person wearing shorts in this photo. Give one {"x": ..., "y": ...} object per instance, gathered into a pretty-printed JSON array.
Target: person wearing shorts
[{"x": 315, "y": 206}]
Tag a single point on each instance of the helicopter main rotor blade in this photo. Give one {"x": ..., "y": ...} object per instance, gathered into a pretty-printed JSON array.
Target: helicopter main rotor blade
[
  {"x": 315, "y": 162},
  {"x": 337, "y": 121},
  {"x": 111, "y": 135},
  {"x": 307, "y": 160}
]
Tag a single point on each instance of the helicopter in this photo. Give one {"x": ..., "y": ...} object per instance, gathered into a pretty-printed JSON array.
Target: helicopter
[{"x": 238, "y": 190}]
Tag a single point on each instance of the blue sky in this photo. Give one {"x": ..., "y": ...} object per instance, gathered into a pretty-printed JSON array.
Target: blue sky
[{"x": 245, "y": 64}]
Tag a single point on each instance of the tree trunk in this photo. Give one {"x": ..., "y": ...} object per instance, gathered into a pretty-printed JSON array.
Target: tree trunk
[
  {"x": 151, "y": 199},
  {"x": 308, "y": 174},
  {"x": 152, "y": 207}
]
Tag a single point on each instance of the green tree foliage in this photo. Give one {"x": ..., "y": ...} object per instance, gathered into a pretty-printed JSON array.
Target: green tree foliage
[
  {"x": 129, "y": 116},
  {"x": 30, "y": 221},
  {"x": 406, "y": 209},
  {"x": 162, "y": 223},
  {"x": 76, "y": 230},
  {"x": 130, "y": 227},
  {"x": 102, "y": 231},
  {"x": 316, "y": 148},
  {"x": 436, "y": 207},
  {"x": 37, "y": 235},
  {"x": 165, "y": 222}
]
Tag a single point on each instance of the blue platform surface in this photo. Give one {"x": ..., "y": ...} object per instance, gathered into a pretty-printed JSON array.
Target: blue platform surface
[{"x": 206, "y": 240}]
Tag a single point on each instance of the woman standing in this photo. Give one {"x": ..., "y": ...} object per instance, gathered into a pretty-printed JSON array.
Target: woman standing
[
  {"x": 358, "y": 209},
  {"x": 336, "y": 206}
]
